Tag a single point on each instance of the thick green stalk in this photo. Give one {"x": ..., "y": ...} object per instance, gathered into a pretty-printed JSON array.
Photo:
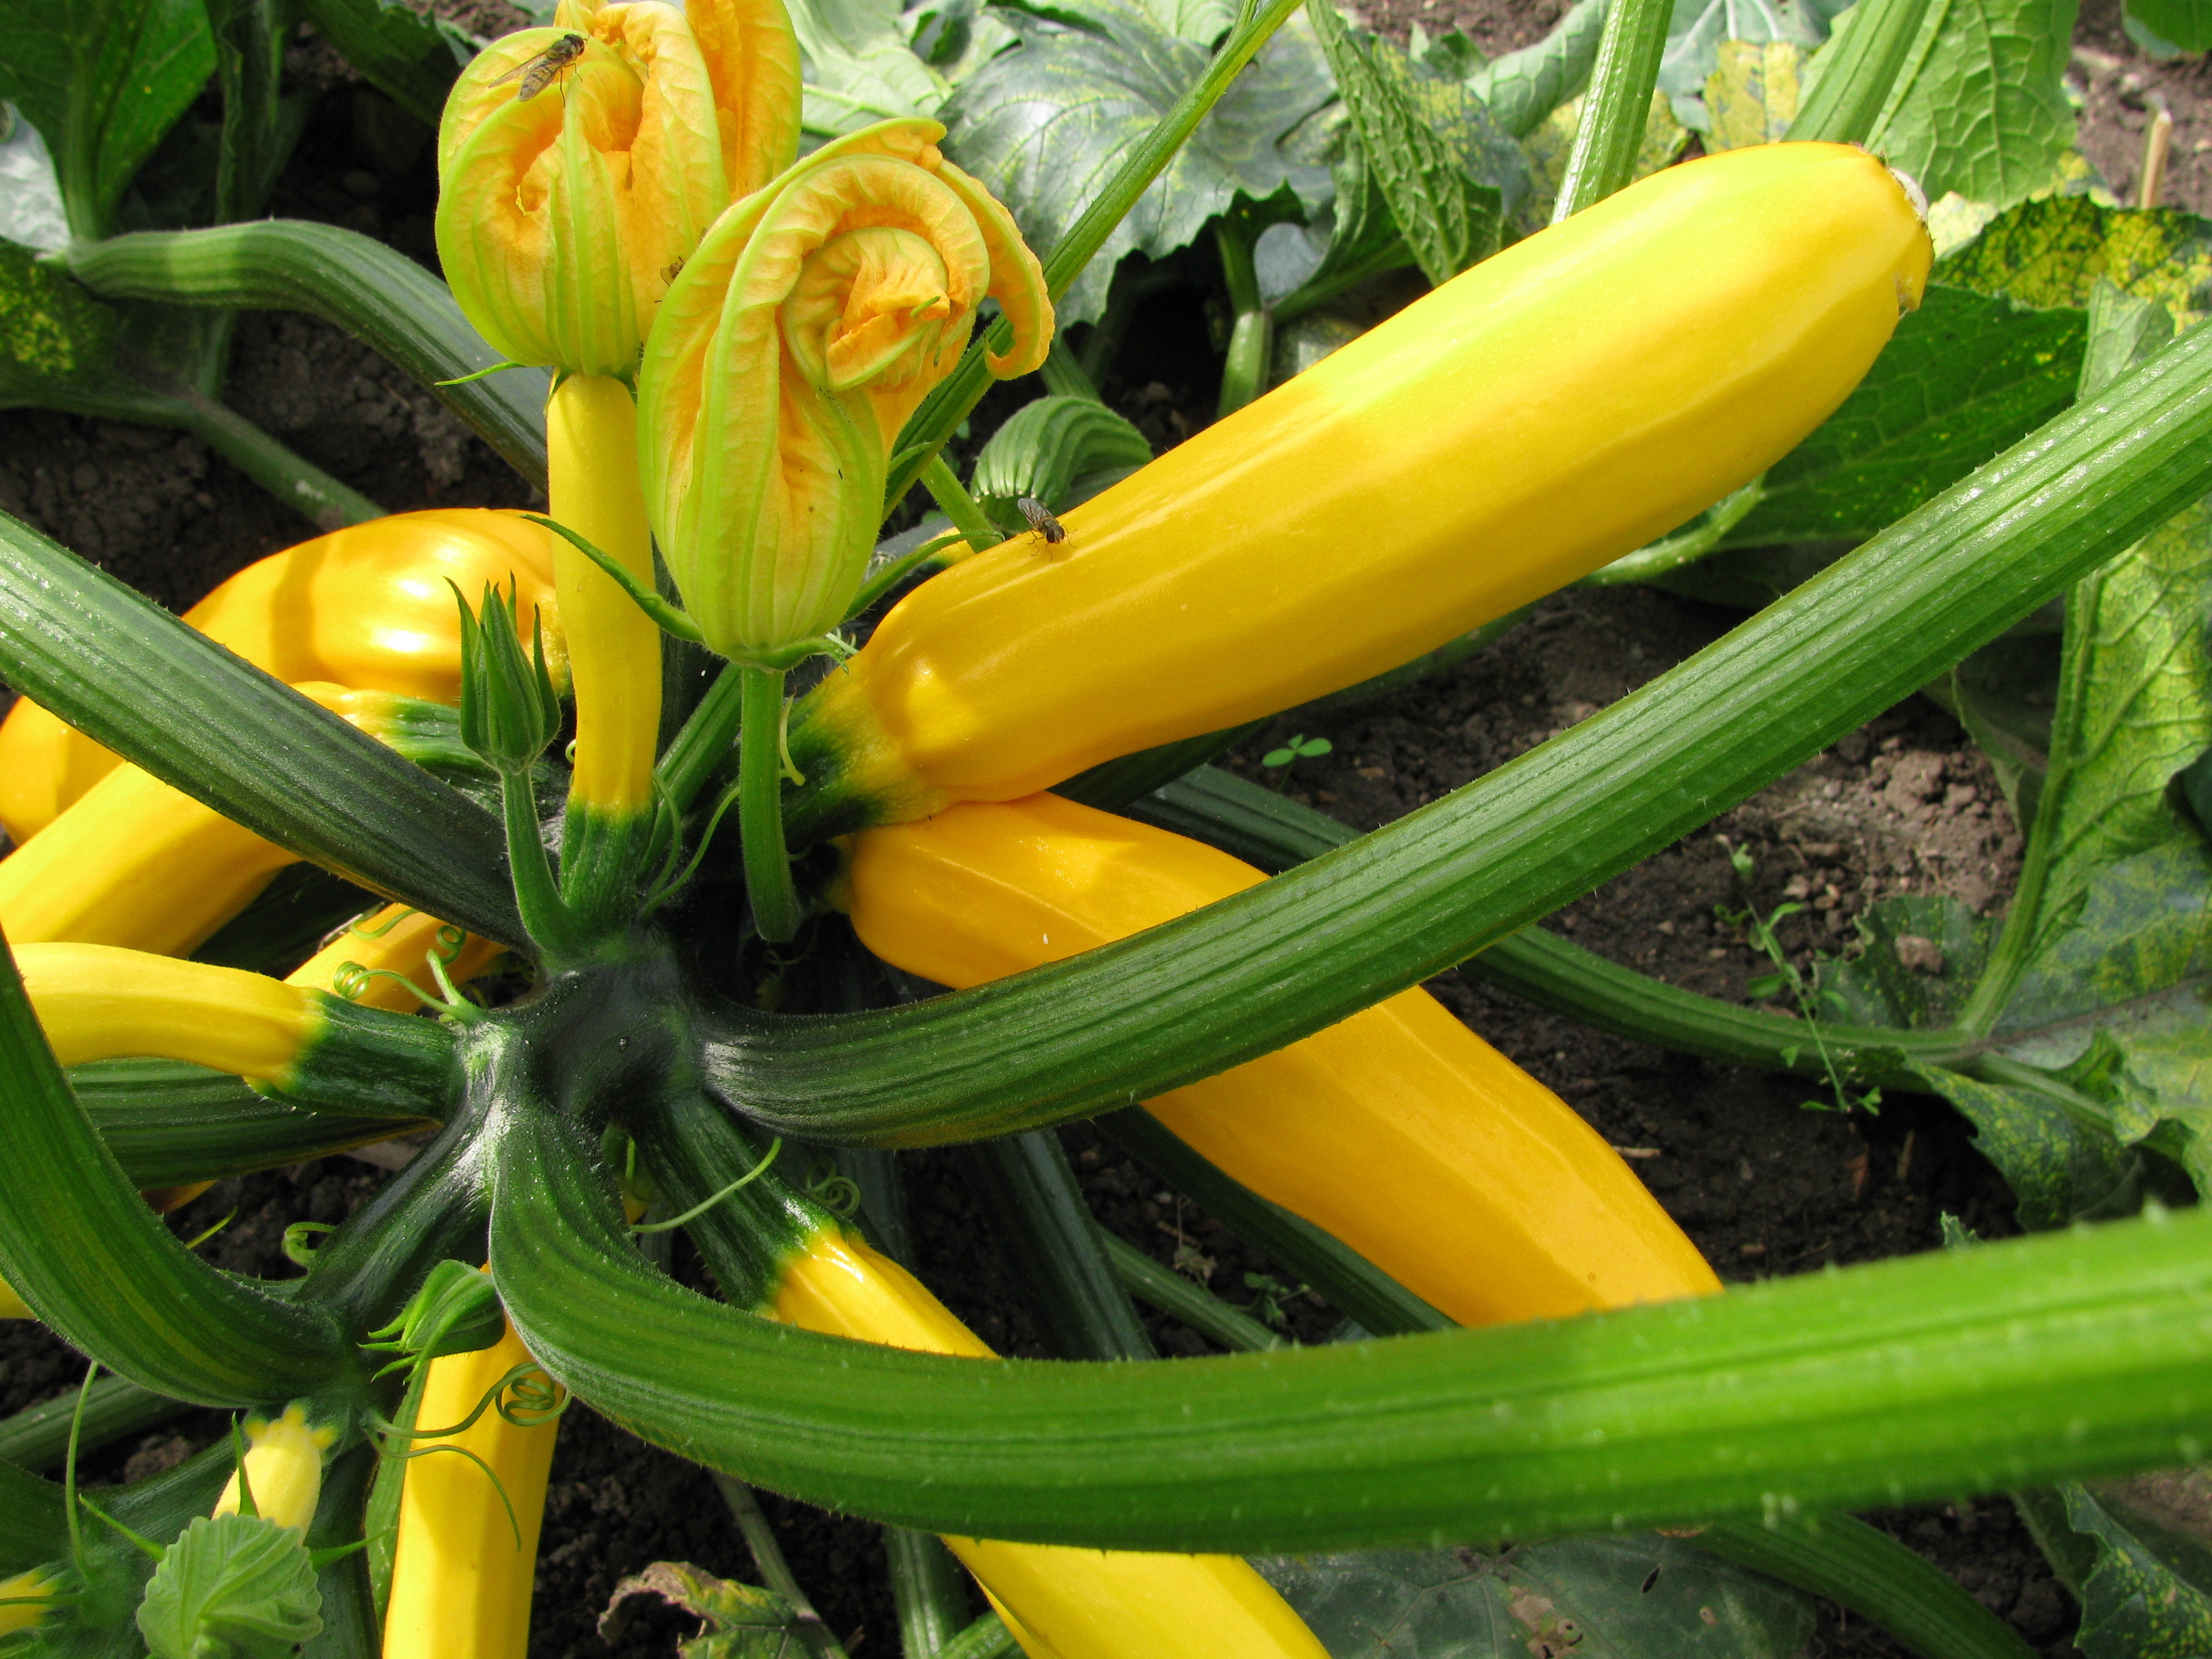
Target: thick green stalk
[
  {"x": 706, "y": 740},
  {"x": 929, "y": 1590},
  {"x": 1176, "y": 1296},
  {"x": 1251, "y": 340},
  {"x": 1063, "y": 373},
  {"x": 78, "y": 1243},
  {"x": 1857, "y": 72},
  {"x": 168, "y": 1123},
  {"x": 1275, "y": 833},
  {"x": 1871, "y": 1574},
  {"x": 2027, "y": 1360},
  {"x": 1054, "y": 1248},
  {"x": 166, "y": 697},
  {"x": 1617, "y": 105},
  {"x": 37, "y": 1437},
  {"x": 1278, "y": 962},
  {"x": 953, "y": 500},
  {"x": 375, "y": 292},
  {"x": 775, "y": 907},
  {"x": 960, "y": 392}
]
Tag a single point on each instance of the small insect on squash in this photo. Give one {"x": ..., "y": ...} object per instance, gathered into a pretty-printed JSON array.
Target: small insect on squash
[
  {"x": 541, "y": 71},
  {"x": 1041, "y": 519}
]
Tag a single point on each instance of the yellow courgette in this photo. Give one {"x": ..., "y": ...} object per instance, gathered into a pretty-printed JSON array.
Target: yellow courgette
[
  {"x": 366, "y": 607},
  {"x": 461, "y": 1580},
  {"x": 137, "y": 864},
  {"x": 1061, "y": 1603},
  {"x": 1556, "y": 406},
  {"x": 1398, "y": 1130}
]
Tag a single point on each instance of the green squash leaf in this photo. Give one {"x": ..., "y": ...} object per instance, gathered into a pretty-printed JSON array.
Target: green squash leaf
[
  {"x": 1981, "y": 108},
  {"x": 1964, "y": 378},
  {"x": 1700, "y": 28},
  {"x": 232, "y": 1587},
  {"x": 1524, "y": 87},
  {"x": 2135, "y": 1604},
  {"x": 1636, "y": 1597},
  {"x": 1407, "y": 124},
  {"x": 2051, "y": 252},
  {"x": 859, "y": 67},
  {"x": 1751, "y": 96},
  {"x": 120, "y": 72},
  {"x": 1047, "y": 124}
]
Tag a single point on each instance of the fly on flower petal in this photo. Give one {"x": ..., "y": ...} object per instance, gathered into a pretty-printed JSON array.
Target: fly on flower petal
[{"x": 541, "y": 71}]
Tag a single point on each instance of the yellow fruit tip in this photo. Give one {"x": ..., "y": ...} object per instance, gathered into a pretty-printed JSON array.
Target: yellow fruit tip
[{"x": 1914, "y": 193}]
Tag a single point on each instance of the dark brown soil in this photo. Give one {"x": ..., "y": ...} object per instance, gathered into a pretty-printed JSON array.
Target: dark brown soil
[{"x": 1762, "y": 1185}]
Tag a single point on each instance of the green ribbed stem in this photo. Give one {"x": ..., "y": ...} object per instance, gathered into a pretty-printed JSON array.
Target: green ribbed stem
[
  {"x": 1617, "y": 105},
  {"x": 1859, "y": 72},
  {"x": 2027, "y": 1360},
  {"x": 1054, "y": 1249},
  {"x": 375, "y": 292},
  {"x": 776, "y": 911},
  {"x": 37, "y": 1437}
]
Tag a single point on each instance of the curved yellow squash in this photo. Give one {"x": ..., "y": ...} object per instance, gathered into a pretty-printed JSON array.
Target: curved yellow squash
[
  {"x": 1551, "y": 408},
  {"x": 1059, "y": 1603},
  {"x": 1398, "y": 1130},
  {"x": 366, "y": 607}
]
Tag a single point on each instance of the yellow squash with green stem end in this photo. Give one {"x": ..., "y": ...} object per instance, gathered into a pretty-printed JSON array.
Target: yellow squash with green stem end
[
  {"x": 366, "y": 607},
  {"x": 1558, "y": 405},
  {"x": 96, "y": 1002},
  {"x": 460, "y": 1578},
  {"x": 23, "y": 1603},
  {"x": 1059, "y": 1603},
  {"x": 1398, "y": 1130},
  {"x": 135, "y": 863},
  {"x": 283, "y": 1466}
]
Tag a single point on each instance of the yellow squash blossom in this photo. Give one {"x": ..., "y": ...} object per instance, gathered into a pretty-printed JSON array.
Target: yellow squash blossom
[
  {"x": 804, "y": 330},
  {"x": 563, "y": 216}
]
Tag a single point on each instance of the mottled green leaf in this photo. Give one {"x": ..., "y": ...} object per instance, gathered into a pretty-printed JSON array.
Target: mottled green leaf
[
  {"x": 2186, "y": 23},
  {"x": 232, "y": 1587},
  {"x": 127, "y": 68},
  {"x": 1448, "y": 220},
  {"x": 1875, "y": 988},
  {"x": 739, "y": 1621},
  {"x": 53, "y": 333},
  {"x": 1751, "y": 96},
  {"x": 1981, "y": 108},
  {"x": 1046, "y": 125},
  {"x": 1698, "y": 30},
  {"x": 1665, "y": 138},
  {"x": 2135, "y": 1605},
  {"x": 2059, "y": 1168},
  {"x": 1524, "y": 87},
  {"x": 1964, "y": 378},
  {"x": 1634, "y": 1597},
  {"x": 2052, "y": 251}
]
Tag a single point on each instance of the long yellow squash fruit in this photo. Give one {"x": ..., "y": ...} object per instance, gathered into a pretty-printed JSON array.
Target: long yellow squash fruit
[
  {"x": 1555, "y": 407},
  {"x": 1398, "y": 1130},
  {"x": 1059, "y": 1603},
  {"x": 460, "y": 1581},
  {"x": 367, "y": 606},
  {"x": 134, "y": 863},
  {"x": 96, "y": 1002},
  {"x": 394, "y": 945}
]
